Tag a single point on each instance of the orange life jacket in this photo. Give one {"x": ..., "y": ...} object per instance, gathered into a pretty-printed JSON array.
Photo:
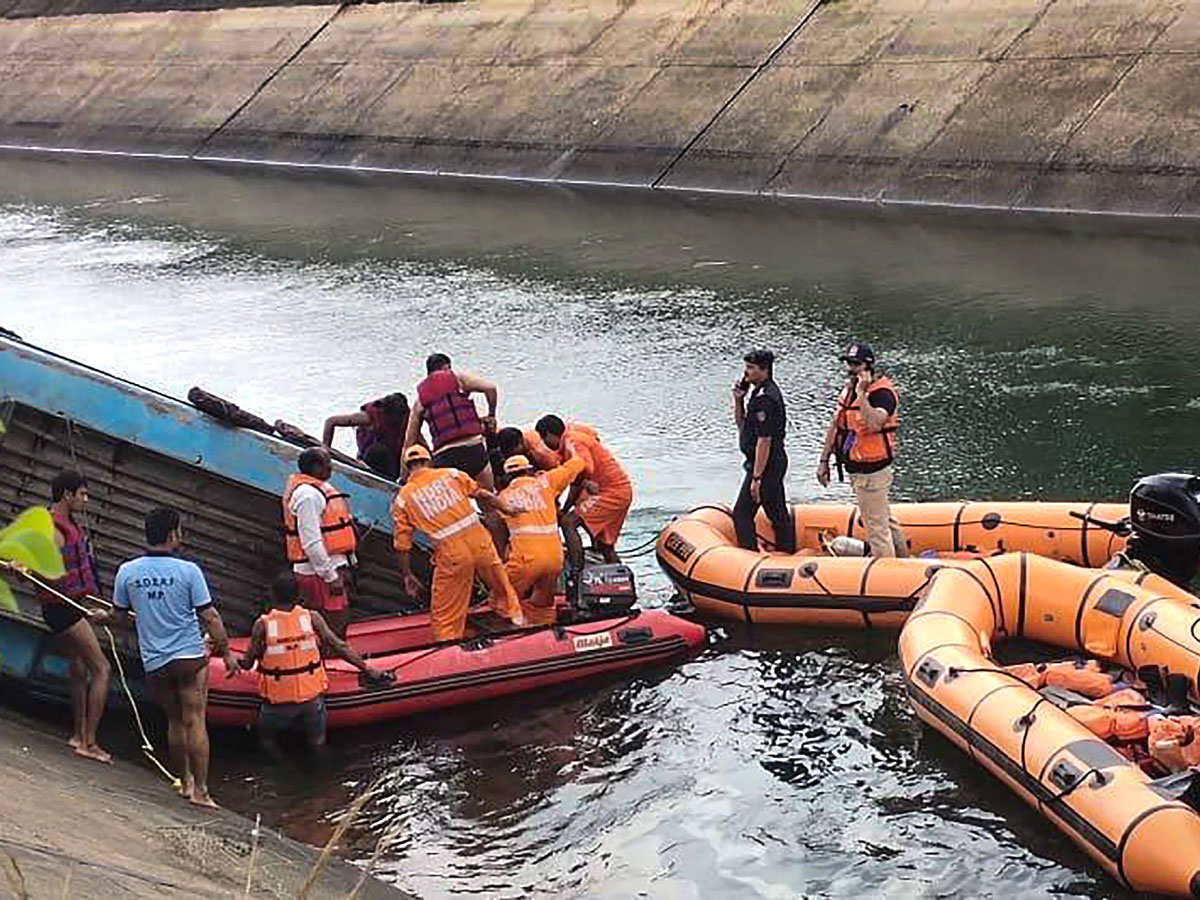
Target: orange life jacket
[
  {"x": 1112, "y": 724},
  {"x": 1084, "y": 677},
  {"x": 337, "y": 525},
  {"x": 855, "y": 442},
  {"x": 291, "y": 670}
]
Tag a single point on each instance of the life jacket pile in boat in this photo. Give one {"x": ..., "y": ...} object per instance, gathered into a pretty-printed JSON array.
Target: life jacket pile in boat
[
  {"x": 1114, "y": 706},
  {"x": 1078, "y": 741}
]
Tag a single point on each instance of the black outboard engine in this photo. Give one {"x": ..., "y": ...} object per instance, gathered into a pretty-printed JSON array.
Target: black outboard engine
[
  {"x": 604, "y": 590},
  {"x": 1164, "y": 513}
]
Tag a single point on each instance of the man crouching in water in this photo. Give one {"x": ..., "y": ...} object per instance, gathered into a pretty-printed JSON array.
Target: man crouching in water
[
  {"x": 292, "y": 677},
  {"x": 169, "y": 598}
]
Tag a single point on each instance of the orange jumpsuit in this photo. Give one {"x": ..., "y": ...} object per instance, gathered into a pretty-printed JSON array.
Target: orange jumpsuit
[
  {"x": 604, "y": 512},
  {"x": 535, "y": 555},
  {"x": 539, "y": 453},
  {"x": 437, "y": 502}
]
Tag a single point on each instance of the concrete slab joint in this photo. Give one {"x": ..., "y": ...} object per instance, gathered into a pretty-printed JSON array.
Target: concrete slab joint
[{"x": 1072, "y": 104}]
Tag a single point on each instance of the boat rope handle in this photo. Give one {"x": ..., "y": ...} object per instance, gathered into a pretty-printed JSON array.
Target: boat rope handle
[
  {"x": 1103, "y": 780},
  {"x": 147, "y": 744}
]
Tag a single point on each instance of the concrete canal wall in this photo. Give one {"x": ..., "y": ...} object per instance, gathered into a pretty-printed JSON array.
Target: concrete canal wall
[{"x": 1064, "y": 104}]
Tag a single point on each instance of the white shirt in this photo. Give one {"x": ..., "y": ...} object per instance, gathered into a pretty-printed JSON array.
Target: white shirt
[{"x": 307, "y": 505}]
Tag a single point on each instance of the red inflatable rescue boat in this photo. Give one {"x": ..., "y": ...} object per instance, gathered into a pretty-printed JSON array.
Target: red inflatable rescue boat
[{"x": 484, "y": 666}]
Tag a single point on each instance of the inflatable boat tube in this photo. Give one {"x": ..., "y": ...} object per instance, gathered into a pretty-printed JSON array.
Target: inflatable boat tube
[
  {"x": 1130, "y": 823},
  {"x": 699, "y": 553},
  {"x": 431, "y": 676}
]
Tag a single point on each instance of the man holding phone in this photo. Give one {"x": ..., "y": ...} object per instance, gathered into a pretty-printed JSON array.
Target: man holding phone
[
  {"x": 762, "y": 423},
  {"x": 862, "y": 437}
]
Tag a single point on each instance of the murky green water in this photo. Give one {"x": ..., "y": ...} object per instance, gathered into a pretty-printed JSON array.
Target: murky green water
[{"x": 1033, "y": 361}]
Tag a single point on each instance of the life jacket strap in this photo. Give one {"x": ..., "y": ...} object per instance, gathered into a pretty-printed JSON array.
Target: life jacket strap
[{"x": 299, "y": 670}]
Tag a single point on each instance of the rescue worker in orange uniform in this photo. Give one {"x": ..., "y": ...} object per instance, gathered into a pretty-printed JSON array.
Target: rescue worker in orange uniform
[
  {"x": 603, "y": 498},
  {"x": 862, "y": 437},
  {"x": 286, "y": 643},
  {"x": 535, "y": 553},
  {"x": 320, "y": 537},
  {"x": 438, "y": 502}
]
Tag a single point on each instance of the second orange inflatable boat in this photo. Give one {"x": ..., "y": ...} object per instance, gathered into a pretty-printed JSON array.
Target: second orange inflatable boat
[
  {"x": 699, "y": 553},
  {"x": 1129, "y": 800}
]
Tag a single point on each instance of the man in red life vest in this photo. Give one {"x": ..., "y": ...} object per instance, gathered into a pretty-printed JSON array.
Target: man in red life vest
[
  {"x": 862, "y": 436},
  {"x": 320, "y": 537},
  {"x": 89, "y": 668},
  {"x": 456, "y": 430},
  {"x": 379, "y": 430},
  {"x": 286, "y": 642}
]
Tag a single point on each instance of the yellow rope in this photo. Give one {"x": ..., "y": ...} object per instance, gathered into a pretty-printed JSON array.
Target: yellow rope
[{"x": 147, "y": 745}]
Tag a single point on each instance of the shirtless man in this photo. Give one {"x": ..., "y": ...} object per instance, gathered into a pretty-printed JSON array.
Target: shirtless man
[{"x": 169, "y": 598}]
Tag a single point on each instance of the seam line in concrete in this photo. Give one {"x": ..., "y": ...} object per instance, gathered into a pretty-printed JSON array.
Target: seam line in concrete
[
  {"x": 1027, "y": 188},
  {"x": 266, "y": 81},
  {"x": 771, "y": 57}
]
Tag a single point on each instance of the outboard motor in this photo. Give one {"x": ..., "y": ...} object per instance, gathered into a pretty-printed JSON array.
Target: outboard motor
[
  {"x": 604, "y": 590},
  {"x": 1164, "y": 513}
]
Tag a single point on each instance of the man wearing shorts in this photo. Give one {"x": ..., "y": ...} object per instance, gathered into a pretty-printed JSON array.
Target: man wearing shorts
[
  {"x": 321, "y": 541},
  {"x": 89, "y": 669},
  {"x": 456, "y": 430},
  {"x": 286, "y": 642},
  {"x": 169, "y": 599}
]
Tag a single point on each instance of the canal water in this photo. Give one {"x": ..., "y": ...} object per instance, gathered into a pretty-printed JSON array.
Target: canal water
[{"x": 1036, "y": 359}]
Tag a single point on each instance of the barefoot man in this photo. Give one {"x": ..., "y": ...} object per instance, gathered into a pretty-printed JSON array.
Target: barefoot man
[
  {"x": 169, "y": 598},
  {"x": 89, "y": 668}
]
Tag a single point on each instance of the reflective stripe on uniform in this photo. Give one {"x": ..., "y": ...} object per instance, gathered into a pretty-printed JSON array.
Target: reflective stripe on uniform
[
  {"x": 454, "y": 528},
  {"x": 534, "y": 529}
]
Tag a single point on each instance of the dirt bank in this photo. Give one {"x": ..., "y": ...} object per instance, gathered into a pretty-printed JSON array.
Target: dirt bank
[
  {"x": 1023, "y": 104},
  {"x": 115, "y": 831}
]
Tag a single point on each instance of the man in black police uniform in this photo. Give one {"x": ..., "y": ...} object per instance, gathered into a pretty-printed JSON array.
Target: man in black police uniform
[{"x": 762, "y": 424}]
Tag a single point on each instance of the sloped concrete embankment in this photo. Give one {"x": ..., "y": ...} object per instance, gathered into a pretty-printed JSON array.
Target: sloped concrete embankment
[
  {"x": 75, "y": 828},
  {"x": 1065, "y": 104}
]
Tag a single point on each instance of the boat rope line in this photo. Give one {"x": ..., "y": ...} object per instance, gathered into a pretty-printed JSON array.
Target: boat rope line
[{"x": 147, "y": 745}]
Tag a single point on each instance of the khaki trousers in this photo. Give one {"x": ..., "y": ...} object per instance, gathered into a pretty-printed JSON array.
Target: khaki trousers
[{"x": 885, "y": 537}]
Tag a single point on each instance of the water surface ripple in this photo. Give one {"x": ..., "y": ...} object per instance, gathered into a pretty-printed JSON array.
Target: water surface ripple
[{"x": 1034, "y": 362}]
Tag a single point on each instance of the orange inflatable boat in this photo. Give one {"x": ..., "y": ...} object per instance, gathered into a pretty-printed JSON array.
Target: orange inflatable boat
[
  {"x": 1115, "y": 775},
  {"x": 699, "y": 553}
]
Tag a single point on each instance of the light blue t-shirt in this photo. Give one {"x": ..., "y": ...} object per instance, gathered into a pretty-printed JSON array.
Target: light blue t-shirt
[{"x": 164, "y": 593}]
